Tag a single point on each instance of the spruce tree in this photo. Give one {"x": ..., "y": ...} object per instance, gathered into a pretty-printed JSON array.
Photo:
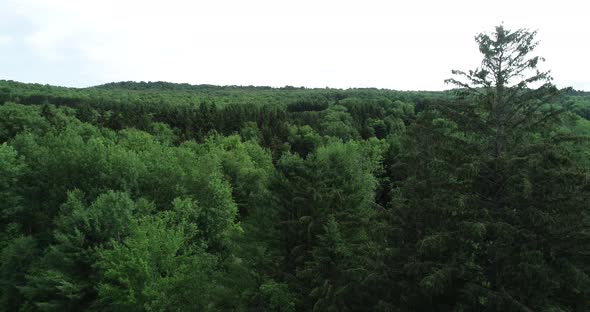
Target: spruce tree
[{"x": 492, "y": 211}]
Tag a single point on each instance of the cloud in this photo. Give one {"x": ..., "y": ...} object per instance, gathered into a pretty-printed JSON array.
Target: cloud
[
  {"x": 390, "y": 44},
  {"x": 6, "y": 40}
]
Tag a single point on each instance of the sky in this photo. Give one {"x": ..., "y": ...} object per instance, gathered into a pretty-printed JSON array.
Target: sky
[{"x": 401, "y": 45}]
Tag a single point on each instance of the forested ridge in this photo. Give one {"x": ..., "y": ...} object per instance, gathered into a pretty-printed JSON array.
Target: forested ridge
[{"x": 156, "y": 196}]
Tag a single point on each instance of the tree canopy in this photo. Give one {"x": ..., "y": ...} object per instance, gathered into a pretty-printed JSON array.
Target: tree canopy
[{"x": 155, "y": 196}]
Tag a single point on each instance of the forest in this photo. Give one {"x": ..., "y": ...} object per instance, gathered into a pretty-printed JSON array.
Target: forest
[{"x": 156, "y": 196}]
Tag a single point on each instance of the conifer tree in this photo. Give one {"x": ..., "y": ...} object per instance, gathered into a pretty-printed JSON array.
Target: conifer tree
[{"x": 492, "y": 212}]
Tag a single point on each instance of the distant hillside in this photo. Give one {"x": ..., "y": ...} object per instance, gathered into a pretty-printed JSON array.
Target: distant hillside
[
  {"x": 164, "y": 86},
  {"x": 158, "y": 94},
  {"x": 150, "y": 93}
]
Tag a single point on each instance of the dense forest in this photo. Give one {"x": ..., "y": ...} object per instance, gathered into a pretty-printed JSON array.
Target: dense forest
[{"x": 155, "y": 196}]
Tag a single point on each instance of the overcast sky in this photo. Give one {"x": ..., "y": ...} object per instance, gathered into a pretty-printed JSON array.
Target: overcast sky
[{"x": 403, "y": 45}]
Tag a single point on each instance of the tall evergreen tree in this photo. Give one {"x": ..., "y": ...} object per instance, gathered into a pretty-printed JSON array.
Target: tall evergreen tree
[
  {"x": 492, "y": 212},
  {"x": 334, "y": 183}
]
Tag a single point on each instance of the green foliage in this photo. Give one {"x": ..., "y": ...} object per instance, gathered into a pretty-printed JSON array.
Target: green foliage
[
  {"x": 277, "y": 297},
  {"x": 250, "y": 132},
  {"x": 155, "y": 196},
  {"x": 17, "y": 118},
  {"x": 16, "y": 257},
  {"x": 157, "y": 267},
  {"x": 334, "y": 183},
  {"x": 303, "y": 140},
  {"x": 12, "y": 169},
  {"x": 64, "y": 277},
  {"x": 338, "y": 123},
  {"x": 484, "y": 210}
]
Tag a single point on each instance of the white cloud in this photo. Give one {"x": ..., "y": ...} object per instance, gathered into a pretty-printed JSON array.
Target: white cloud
[
  {"x": 6, "y": 40},
  {"x": 391, "y": 44}
]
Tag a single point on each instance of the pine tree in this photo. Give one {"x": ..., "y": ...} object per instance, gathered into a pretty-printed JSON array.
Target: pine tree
[
  {"x": 333, "y": 183},
  {"x": 528, "y": 183},
  {"x": 64, "y": 278},
  {"x": 492, "y": 212}
]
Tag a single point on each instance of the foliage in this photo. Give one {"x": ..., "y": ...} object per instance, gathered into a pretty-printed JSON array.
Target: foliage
[{"x": 155, "y": 196}]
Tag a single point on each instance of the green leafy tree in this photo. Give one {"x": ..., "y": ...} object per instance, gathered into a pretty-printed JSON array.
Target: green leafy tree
[
  {"x": 158, "y": 267},
  {"x": 250, "y": 132},
  {"x": 16, "y": 118},
  {"x": 64, "y": 279},
  {"x": 276, "y": 297},
  {"x": 303, "y": 140},
  {"x": 328, "y": 269},
  {"x": 12, "y": 169},
  {"x": 337, "y": 122},
  {"x": 15, "y": 260}
]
